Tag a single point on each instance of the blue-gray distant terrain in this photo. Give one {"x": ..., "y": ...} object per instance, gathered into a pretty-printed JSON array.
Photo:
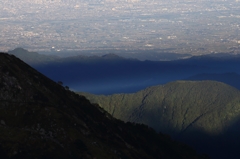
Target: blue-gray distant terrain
[{"x": 108, "y": 74}]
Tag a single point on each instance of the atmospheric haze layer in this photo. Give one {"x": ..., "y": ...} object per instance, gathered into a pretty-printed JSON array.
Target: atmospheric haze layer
[{"x": 182, "y": 26}]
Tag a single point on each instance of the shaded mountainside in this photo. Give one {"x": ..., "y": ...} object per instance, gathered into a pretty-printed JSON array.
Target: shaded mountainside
[
  {"x": 110, "y": 73},
  {"x": 40, "y": 119},
  {"x": 205, "y": 114}
]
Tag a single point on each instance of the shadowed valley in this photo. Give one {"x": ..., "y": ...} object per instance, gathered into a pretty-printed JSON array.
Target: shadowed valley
[{"x": 108, "y": 74}]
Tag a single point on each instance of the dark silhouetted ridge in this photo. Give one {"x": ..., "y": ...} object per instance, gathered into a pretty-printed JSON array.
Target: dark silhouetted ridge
[{"x": 41, "y": 119}]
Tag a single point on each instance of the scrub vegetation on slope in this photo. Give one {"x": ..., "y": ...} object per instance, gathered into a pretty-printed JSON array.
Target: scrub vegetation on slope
[{"x": 201, "y": 113}]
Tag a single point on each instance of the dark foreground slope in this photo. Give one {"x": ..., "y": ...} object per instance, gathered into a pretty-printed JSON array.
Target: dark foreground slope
[
  {"x": 40, "y": 119},
  {"x": 204, "y": 114}
]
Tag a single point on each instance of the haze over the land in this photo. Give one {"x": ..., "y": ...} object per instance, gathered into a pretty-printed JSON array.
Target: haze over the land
[
  {"x": 111, "y": 73},
  {"x": 182, "y": 26}
]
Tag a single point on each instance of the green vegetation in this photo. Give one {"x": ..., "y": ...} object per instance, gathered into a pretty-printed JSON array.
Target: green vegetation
[
  {"x": 204, "y": 114},
  {"x": 41, "y": 119},
  {"x": 174, "y": 107}
]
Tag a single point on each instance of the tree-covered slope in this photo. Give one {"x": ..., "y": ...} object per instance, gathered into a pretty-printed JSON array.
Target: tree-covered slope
[
  {"x": 179, "y": 103},
  {"x": 193, "y": 111},
  {"x": 40, "y": 119}
]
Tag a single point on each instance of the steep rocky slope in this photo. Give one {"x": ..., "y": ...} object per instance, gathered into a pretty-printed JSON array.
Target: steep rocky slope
[{"x": 40, "y": 119}]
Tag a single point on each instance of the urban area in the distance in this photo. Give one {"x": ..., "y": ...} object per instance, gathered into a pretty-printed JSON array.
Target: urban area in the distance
[{"x": 179, "y": 26}]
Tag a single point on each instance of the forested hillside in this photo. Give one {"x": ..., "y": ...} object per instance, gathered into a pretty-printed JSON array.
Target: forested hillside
[{"x": 201, "y": 113}]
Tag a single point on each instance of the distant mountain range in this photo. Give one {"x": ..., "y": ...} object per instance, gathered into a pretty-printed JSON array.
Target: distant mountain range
[
  {"x": 204, "y": 114},
  {"x": 108, "y": 74},
  {"x": 32, "y": 58},
  {"x": 142, "y": 55},
  {"x": 39, "y": 118}
]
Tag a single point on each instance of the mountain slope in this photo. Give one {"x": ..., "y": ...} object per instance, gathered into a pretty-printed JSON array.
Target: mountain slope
[
  {"x": 40, "y": 119},
  {"x": 198, "y": 113},
  {"x": 198, "y": 97}
]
